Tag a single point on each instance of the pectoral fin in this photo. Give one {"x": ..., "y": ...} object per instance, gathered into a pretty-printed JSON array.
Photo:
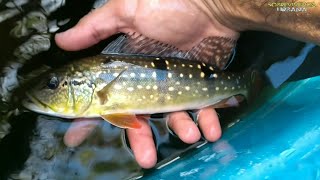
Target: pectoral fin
[
  {"x": 123, "y": 120},
  {"x": 229, "y": 102},
  {"x": 103, "y": 93}
]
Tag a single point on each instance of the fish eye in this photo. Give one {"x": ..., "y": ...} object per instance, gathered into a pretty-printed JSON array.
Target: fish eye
[{"x": 53, "y": 83}]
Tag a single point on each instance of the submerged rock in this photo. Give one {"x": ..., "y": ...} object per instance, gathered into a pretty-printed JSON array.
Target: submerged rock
[{"x": 102, "y": 155}]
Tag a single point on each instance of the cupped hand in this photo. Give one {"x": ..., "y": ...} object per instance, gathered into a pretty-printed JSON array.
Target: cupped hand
[{"x": 180, "y": 23}]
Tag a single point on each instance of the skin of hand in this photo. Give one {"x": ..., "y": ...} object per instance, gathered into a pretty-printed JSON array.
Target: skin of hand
[
  {"x": 241, "y": 15},
  {"x": 180, "y": 23}
]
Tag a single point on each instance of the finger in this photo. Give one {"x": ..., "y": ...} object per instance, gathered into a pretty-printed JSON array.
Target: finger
[
  {"x": 209, "y": 124},
  {"x": 142, "y": 145},
  {"x": 94, "y": 27},
  {"x": 79, "y": 130},
  {"x": 184, "y": 127}
]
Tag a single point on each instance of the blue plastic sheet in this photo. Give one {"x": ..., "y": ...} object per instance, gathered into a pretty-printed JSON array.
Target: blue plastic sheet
[{"x": 279, "y": 140}]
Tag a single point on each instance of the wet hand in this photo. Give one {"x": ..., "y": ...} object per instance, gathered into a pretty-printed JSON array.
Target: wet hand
[{"x": 179, "y": 23}]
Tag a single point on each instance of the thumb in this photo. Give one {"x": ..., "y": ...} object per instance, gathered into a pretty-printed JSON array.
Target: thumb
[{"x": 94, "y": 27}]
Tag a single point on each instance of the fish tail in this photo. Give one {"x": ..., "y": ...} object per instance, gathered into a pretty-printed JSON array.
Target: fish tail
[
  {"x": 257, "y": 84},
  {"x": 257, "y": 78}
]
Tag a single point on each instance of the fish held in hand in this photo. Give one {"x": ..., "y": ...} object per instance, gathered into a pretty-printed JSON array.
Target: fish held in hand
[{"x": 119, "y": 87}]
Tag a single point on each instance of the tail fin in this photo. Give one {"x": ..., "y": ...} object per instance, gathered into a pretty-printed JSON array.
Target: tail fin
[{"x": 258, "y": 79}]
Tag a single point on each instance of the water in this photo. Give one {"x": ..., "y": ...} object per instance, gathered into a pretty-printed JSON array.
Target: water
[{"x": 31, "y": 145}]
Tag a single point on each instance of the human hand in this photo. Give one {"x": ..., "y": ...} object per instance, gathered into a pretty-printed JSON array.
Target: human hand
[{"x": 176, "y": 22}]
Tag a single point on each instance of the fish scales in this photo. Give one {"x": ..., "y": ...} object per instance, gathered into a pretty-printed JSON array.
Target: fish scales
[
  {"x": 111, "y": 84},
  {"x": 150, "y": 84}
]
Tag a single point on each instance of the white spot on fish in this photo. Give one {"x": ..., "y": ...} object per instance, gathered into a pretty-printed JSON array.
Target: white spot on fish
[
  {"x": 202, "y": 74},
  {"x": 204, "y": 89},
  {"x": 229, "y": 77},
  {"x": 199, "y": 66},
  {"x": 183, "y": 65},
  {"x": 151, "y": 96},
  {"x": 211, "y": 68},
  {"x": 152, "y": 64},
  {"x": 215, "y": 75},
  {"x": 181, "y": 75},
  {"x": 190, "y": 76},
  {"x": 148, "y": 87},
  {"x": 169, "y": 75},
  {"x": 190, "y": 65},
  {"x": 143, "y": 97},
  {"x": 158, "y": 59},
  {"x": 179, "y": 92},
  {"x": 139, "y": 100},
  {"x": 187, "y": 88},
  {"x": 198, "y": 83},
  {"x": 130, "y": 88},
  {"x": 222, "y": 82},
  {"x": 203, "y": 64},
  {"x": 171, "y": 88},
  {"x": 142, "y": 75},
  {"x": 124, "y": 83},
  {"x": 225, "y": 88},
  {"x": 174, "y": 65},
  {"x": 115, "y": 74},
  {"x": 146, "y": 66},
  {"x": 232, "y": 88},
  {"x": 217, "y": 88},
  {"x": 167, "y": 62},
  {"x": 197, "y": 91},
  {"x": 168, "y": 97},
  {"x": 155, "y": 87},
  {"x": 154, "y": 74},
  {"x": 117, "y": 86},
  {"x": 132, "y": 74},
  {"x": 139, "y": 87},
  {"x": 177, "y": 83}
]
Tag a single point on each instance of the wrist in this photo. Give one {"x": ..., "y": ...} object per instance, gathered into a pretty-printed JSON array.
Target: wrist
[
  {"x": 235, "y": 15},
  {"x": 265, "y": 16}
]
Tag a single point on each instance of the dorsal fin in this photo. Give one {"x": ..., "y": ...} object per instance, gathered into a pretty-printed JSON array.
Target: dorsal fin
[
  {"x": 217, "y": 51},
  {"x": 214, "y": 50}
]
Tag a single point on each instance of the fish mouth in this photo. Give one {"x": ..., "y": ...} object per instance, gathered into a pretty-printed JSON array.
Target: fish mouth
[{"x": 33, "y": 104}]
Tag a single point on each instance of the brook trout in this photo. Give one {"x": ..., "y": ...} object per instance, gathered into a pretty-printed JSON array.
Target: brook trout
[{"x": 119, "y": 87}]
